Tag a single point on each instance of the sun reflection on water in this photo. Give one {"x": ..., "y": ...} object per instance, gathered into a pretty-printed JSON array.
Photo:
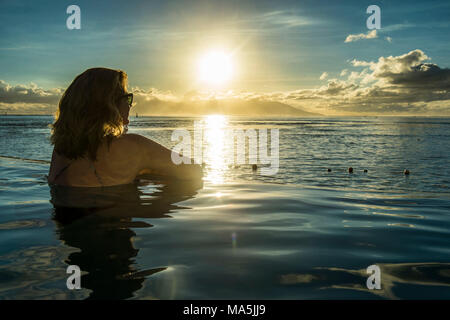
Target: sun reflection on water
[{"x": 214, "y": 148}]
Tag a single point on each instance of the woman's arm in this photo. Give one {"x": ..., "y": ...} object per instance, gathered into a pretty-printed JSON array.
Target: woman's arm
[{"x": 156, "y": 159}]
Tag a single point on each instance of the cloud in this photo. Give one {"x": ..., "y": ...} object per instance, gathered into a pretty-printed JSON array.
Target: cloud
[
  {"x": 153, "y": 102},
  {"x": 408, "y": 71},
  {"x": 26, "y": 108},
  {"x": 28, "y": 98},
  {"x": 404, "y": 84},
  {"x": 400, "y": 26},
  {"x": 355, "y": 37},
  {"x": 280, "y": 18},
  {"x": 285, "y": 18},
  {"x": 324, "y": 76},
  {"x": 28, "y": 94},
  {"x": 394, "y": 84}
]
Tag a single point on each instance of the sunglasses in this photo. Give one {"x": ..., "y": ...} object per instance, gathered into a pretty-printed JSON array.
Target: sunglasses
[{"x": 129, "y": 97}]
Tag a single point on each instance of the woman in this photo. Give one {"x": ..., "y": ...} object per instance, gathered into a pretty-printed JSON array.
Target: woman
[{"x": 91, "y": 148}]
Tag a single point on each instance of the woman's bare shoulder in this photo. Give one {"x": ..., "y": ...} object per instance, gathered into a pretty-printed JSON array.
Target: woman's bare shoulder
[
  {"x": 131, "y": 138},
  {"x": 128, "y": 140},
  {"x": 140, "y": 142},
  {"x": 131, "y": 143}
]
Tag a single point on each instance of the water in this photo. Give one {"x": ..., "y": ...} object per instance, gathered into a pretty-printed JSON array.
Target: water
[{"x": 304, "y": 233}]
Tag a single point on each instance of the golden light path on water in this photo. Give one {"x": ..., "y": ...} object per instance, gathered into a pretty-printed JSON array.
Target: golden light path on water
[{"x": 216, "y": 152}]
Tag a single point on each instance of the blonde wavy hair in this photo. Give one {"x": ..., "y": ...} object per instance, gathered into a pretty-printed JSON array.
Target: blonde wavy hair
[{"x": 87, "y": 114}]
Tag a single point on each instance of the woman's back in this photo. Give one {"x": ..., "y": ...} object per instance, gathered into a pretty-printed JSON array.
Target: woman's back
[
  {"x": 126, "y": 157},
  {"x": 114, "y": 165}
]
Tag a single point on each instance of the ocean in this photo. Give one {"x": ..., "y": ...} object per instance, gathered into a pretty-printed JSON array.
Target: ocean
[{"x": 309, "y": 231}]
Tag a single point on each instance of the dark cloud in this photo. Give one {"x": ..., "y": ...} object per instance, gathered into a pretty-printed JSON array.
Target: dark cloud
[
  {"x": 424, "y": 75},
  {"x": 393, "y": 84}
]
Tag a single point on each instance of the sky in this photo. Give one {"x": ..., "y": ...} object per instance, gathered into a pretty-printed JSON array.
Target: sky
[{"x": 317, "y": 56}]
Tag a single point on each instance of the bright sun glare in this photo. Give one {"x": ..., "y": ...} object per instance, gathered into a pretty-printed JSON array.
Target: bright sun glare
[{"x": 215, "y": 68}]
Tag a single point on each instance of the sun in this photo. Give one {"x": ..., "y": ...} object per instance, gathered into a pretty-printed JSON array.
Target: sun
[{"x": 215, "y": 68}]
